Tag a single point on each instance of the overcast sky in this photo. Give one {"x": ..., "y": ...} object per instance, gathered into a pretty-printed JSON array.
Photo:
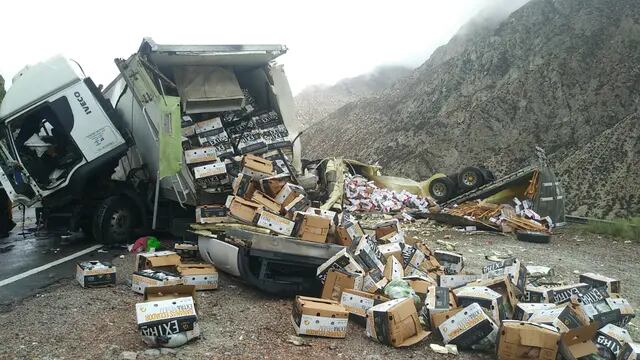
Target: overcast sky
[{"x": 327, "y": 41}]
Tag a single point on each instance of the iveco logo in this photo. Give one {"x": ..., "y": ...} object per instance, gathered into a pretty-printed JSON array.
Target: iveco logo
[{"x": 82, "y": 103}]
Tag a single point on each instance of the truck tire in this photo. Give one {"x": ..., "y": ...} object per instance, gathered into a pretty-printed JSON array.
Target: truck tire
[
  {"x": 470, "y": 178},
  {"x": 115, "y": 220},
  {"x": 442, "y": 189}
]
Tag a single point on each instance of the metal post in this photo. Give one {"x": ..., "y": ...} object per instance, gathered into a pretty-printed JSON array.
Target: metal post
[{"x": 155, "y": 201}]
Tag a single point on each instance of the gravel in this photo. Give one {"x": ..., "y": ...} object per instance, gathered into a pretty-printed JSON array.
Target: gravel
[{"x": 65, "y": 321}]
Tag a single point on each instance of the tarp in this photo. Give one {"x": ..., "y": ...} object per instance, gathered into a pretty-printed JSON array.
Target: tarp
[{"x": 170, "y": 137}]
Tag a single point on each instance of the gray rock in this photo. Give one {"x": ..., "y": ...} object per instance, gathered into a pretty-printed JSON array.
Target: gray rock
[
  {"x": 152, "y": 352},
  {"x": 167, "y": 351},
  {"x": 128, "y": 355}
]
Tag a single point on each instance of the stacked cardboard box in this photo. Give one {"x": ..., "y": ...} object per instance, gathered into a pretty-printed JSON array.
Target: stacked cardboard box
[{"x": 166, "y": 268}]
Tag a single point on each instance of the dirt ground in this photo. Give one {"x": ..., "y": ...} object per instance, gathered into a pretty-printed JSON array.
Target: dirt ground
[{"x": 65, "y": 321}]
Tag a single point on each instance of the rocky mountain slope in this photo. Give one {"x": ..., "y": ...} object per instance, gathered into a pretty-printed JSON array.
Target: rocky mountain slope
[
  {"x": 562, "y": 74},
  {"x": 315, "y": 102}
]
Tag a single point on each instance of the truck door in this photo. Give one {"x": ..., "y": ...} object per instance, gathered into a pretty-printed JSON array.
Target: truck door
[{"x": 16, "y": 182}]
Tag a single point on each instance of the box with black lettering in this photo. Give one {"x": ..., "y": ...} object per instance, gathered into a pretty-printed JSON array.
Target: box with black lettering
[
  {"x": 168, "y": 316},
  {"x": 610, "y": 340}
]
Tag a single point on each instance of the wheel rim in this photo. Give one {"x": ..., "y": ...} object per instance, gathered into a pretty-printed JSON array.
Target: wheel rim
[
  {"x": 120, "y": 223},
  {"x": 469, "y": 178},
  {"x": 439, "y": 189}
]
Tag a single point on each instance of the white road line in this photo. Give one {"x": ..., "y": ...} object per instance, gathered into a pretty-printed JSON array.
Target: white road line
[{"x": 47, "y": 266}]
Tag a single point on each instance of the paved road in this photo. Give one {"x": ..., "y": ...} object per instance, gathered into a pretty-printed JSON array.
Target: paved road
[{"x": 33, "y": 250}]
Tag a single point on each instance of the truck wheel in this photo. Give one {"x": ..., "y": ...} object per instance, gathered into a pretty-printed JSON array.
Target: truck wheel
[
  {"x": 470, "y": 178},
  {"x": 442, "y": 189},
  {"x": 115, "y": 220}
]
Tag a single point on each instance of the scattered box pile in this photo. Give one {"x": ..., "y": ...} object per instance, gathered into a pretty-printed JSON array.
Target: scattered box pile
[
  {"x": 402, "y": 293},
  {"x": 363, "y": 195}
]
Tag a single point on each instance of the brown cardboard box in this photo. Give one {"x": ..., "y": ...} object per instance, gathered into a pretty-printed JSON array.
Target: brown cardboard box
[
  {"x": 273, "y": 184},
  {"x": 312, "y": 227},
  {"x": 256, "y": 166},
  {"x": 337, "y": 281},
  {"x": 386, "y": 228},
  {"x": 319, "y": 317},
  {"x": 437, "y": 318},
  {"x": 95, "y": 274},
  {"x": 578, "y": 342},
  {"x": 504, "y": 287},
  {"x": 243, "y": 186},
  {"x": 212, "y": 169},
  {"x": 610, "y": 340},
  {"x": 393, "y": 269},
  {"x": 452, "y": 262},
  {"x": 202, "y": 276},
  {"x": 438, "y": 300},
  {"x": 273, "y": 222},
  {"x": 391, "y": 249},
  {"x": 342, "y": 261},
  {"x": 374, "y": 281},
  {"x": 395, "y": 323},
  {"x": 523, "y": 311},
  {"x": 524, "y": 340},
  {"x": 269, "y": 203},
  {"x": 394, "y": 237},
  {"x": 288, "y": 193},
  {"x": 357, "y": 302},
  {"x": 159, "y": 260},
  {"x": 349, "y": 232},
  {"x": 140, "y": 280},
  {"x": 630, "y": 351},
  {"x": 563, "y": 318},
  {"x": 187, "y": 250},
  {"x": 299, "y": 204},
  {"x": 456, "y": 281},
  {"x": 420, "y": 285},
  {"x": 244, "y": 210}
]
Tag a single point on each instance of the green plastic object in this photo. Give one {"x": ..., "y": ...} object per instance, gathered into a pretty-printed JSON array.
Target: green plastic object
[
  {"x": 400, "y": 288},
  {"x": 152, "y": 243}
]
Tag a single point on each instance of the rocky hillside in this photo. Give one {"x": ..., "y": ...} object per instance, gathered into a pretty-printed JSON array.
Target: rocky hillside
[
  {"x": 315, "y": 102},
  {"x": 562, "y": 74}
]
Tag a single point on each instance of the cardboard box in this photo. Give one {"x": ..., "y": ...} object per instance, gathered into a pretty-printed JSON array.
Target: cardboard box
[
  {"x": 341, "y": 261},
  {"x": 269, "y": 203},
  {"x": 299, "y": 204},
  {"x": 456, "y": 281},
  {"x": 577, "y": 343},
  {"x": 272, "y": 185},
  {"x": 513, "y": 267},
  {"x": 452, "y": 262},
  {"x": 563, "y": 318},
  {"x": 626, "y": 311},
  {"x": 200, "y": 155},
  {"x": 244, "y": 210},
  {"x": 392, "y": 249},
  {"x": 273, "y": 222},
  {"x": 204, "y": 126},
  {"x": 438, "y": 300},
  {"x": 319, "y": 317},
  {"x": 187, "y": 250},
  {"x": 337, "y": 281},
  {"x": 159, "y": 260},
  {"x": 601, "y": 281},
  {"x": 524, "y": 340},
  {"x": 202, "y": 276},
  {"x": 95, "y": 274},
  {"x": 349, "y": 232},
  {"x": 438, "y": 318},
  {"x": 595, "y": 306},
  {"x": 214, "y": 169},
  {"x": 537, "y": 294},
  {"x": 210, "y": 214},
  {"x": 374, "y": 281},
  {"x": 468, "y": 327},
  {"x": 562, "y": 294},
  {"x": 630, "y": 351},
  {"x": 610, "y": 340},
  {"x": 504, "y": 287},
  {"x": 420, "y": 284},
  {"x": 357, "y": 302},
  {"x": 368, "y": 255},
  {"x": 312, "y": 227},
  {"x": 288, "y": 193},
  {"x": 387, "y": 227},
  {"x": 243, "y": 186},
  {"x": 396, "y": 237},
  {"x": 257, "y": 167},
  {"x": 393, "y": 269},
  {"x": 485, "y": 297},
  {"x": 168, "y": 315},
  {"x": 188, "y": 131},
  {"x": 523, "y": 311},
  {"x": 140, "y": 280},
  {"x": 395, "y": 323}
]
